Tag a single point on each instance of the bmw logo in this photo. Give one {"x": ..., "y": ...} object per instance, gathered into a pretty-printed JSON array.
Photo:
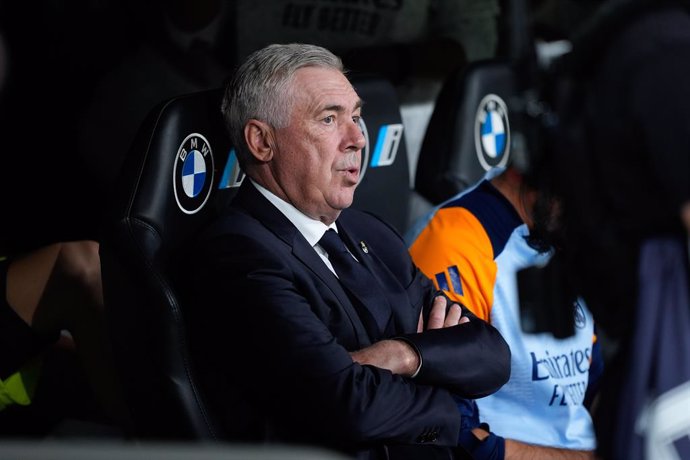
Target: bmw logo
[
  {"x": 492, "y": 132},
  {"x": 193, "y": 173}
]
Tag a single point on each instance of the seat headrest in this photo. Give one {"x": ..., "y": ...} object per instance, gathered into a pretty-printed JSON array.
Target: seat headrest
[
  {"x": 180, "y": 167},
  {"x": 469, "y": 130}
]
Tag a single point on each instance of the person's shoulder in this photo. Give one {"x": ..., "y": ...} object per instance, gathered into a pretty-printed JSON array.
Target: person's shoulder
[
  {"x": 354, "y": 215},
  {"x": 234, "y": 231},
  {"x": 229, "y": 220},
  {"x": 366, "y": 222}
]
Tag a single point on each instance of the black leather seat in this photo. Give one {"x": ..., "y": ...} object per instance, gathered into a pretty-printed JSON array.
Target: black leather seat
[
  {"x": 168, "y": 190},
  {"x": 469, "y": 130}
]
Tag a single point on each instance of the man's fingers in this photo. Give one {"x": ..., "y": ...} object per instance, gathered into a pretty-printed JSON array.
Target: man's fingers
[
  {"x": 443, "y": 316},
  {"x": 437, "y": 316},
  {"x": 454, "y": 315}
]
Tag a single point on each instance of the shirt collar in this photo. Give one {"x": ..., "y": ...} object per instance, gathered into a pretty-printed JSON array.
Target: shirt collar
[{"x": 311, "y": 229}]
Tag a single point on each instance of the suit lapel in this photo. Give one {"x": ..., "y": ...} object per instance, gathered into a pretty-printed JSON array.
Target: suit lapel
[{"x": 255, "y": 204}]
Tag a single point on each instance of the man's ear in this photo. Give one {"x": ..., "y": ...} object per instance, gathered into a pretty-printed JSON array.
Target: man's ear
[{"x": 258, "y": 136}]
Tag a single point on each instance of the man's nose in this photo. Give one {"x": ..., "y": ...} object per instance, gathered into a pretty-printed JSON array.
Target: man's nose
[{"x": 355, "y": 137}]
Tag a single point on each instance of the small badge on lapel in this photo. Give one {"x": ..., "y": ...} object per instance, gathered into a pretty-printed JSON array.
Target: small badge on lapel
[{"x": 364, "y": 247}]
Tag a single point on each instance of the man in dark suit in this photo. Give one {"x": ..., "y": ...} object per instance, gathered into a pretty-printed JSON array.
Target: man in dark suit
[{"x": 286, "y": 350}]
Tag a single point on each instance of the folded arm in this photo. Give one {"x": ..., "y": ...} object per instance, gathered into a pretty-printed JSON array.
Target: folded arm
[
  {"x": 470, "y": 357},
  {"x": 282, "y": 338}
]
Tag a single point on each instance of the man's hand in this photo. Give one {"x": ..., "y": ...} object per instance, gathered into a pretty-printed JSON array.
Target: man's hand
[
  {"x": 395, "y": 355},
  {"x": 443, "y": 316},
  {"x": 400, "y": 357}
]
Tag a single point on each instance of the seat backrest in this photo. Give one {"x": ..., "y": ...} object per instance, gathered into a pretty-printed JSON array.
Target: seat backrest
[
  {"x": 469, "y": 130},
  {"x": 180, "y": 170},
  {"x": 169, "y": 188},
  {"x": 384, "y": 187}
]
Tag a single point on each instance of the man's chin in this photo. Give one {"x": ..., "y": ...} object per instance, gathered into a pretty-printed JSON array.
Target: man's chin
[{"x": 344, "y": 201}]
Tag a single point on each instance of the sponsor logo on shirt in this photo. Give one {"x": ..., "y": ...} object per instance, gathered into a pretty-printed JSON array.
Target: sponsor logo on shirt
[{"x": 569, "y": 371}]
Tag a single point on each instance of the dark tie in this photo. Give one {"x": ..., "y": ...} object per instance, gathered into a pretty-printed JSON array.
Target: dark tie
[{"x": 359, "y": 283}]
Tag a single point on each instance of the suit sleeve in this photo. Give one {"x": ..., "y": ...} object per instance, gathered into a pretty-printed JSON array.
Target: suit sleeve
[
  {"x": 471, "y": 359},
  {"x": 264, "y": 320}
]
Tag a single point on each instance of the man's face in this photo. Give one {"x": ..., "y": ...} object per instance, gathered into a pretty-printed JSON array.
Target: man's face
[{"x": 317, "y": 155}]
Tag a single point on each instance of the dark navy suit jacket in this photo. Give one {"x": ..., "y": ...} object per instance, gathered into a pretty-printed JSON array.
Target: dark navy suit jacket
[{"x": 271, "y": 329}]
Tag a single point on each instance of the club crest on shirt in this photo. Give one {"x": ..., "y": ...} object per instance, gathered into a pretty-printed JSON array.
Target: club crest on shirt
[
  {"x": 492, "y": 132},
  {"x": 580, "y": 317},
  {"x": 193, "y": 173}
]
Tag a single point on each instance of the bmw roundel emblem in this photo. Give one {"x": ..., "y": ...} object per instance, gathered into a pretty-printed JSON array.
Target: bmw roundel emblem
[
  {"x": 492, "y": 132},
  {"x": 193, "y": 173}
]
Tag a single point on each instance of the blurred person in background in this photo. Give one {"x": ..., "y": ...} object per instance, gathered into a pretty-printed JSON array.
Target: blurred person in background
[{"x": 621, "y": 164}]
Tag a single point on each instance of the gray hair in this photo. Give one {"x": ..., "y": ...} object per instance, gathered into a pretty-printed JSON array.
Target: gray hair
[{"x": 259, "y": 88}]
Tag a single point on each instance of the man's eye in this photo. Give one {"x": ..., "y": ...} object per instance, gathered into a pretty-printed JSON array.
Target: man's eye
[
  {"x": 329, "y": 119},
  {"x": 356, "y": 119}
]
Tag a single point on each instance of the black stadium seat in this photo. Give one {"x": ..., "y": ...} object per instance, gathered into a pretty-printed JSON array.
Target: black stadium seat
[
  {"x": 469, "y": 130},
  {"x": 157, "y": 210},
  {"x": 180, "y": 170}
]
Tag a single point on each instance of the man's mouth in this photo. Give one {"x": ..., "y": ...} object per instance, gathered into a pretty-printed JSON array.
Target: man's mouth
[{"x": 351, "y": 174}]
